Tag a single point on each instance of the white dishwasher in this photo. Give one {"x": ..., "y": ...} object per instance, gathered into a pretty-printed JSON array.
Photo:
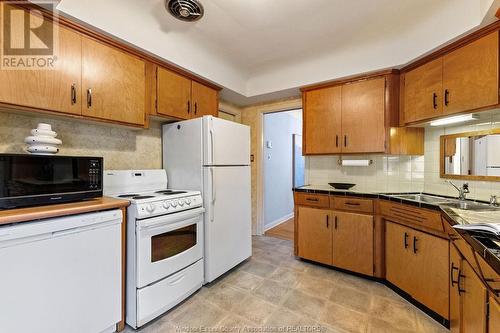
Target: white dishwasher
[{"x": 61, "y": 275}]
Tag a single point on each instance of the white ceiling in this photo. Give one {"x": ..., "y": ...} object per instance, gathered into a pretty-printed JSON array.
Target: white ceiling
[{"x": 262, "y": 49}]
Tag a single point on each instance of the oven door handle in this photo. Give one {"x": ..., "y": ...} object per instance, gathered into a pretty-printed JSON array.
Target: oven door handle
[{"x": 171, "y": 220}]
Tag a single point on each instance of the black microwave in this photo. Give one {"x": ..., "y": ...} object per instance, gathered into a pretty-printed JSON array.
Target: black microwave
[{"x": 29, "y": 180}]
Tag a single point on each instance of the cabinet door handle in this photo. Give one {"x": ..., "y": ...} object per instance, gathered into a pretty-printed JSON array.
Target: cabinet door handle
[
  {"x": 434, "y": 101},
  {"x": 446, "y": 97},
  {"x": 453, "y": 282},
  {"x": 460, "y": 277},
  {"x": 89, "y": 98},
  {"x": 195, "y": 108},
  {"x": 189, "y": 107},
  {"x": 406, "y": 240},
  {"x": 336, "y": 221},
  {"x": 73, "y": 94},
  {"x": 345, "y": 140},
  {"x": 327, "y": 221},
  {"x": 415, "y": 239},
  {"x": 336, "y": 140}
]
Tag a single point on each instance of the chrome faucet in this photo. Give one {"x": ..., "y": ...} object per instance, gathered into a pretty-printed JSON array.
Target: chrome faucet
[
  {"x": 493, "y": 201},
  {"x": 462, "y": 191}
]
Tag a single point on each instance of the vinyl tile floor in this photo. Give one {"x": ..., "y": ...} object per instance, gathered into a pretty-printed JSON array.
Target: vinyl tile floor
[{"x": 276, "y": 292}]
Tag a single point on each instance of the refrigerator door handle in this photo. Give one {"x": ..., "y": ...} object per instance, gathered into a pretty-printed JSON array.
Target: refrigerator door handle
[
  {"x": 212, "y": 142},
  {"x": 214, "y": 195}
]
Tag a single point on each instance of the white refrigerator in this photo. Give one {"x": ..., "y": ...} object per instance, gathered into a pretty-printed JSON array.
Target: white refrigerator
[{"x": 212, "y": 155}]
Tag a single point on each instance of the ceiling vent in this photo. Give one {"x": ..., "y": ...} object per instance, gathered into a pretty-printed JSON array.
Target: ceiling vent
[{"x": 185, "y": 10}]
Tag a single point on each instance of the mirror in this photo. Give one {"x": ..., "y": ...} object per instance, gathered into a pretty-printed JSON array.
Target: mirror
[{"x": 473, "y": 155}]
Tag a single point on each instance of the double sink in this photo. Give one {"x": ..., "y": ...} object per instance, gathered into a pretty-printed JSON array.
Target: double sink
[{"x": 446, "y": 202}]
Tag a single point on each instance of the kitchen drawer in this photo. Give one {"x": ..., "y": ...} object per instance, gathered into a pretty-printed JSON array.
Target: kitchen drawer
[
  {"x": 419, "y": 218},
  {"x": 353, "y": 204},
  {"x": 312, "y": 199}
]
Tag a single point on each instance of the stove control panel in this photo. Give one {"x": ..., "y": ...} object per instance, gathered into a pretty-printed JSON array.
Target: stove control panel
[{"x": 168, "y": 206}]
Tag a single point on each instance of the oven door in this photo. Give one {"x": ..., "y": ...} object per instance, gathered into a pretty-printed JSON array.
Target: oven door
[{"x": 167, "y": 244}]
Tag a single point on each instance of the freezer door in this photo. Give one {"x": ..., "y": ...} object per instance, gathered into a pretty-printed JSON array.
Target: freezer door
[
  {"x": 183, "y": 154},
  {"x": 225, "y": 142},
  {"x": 227, "y": 219}
]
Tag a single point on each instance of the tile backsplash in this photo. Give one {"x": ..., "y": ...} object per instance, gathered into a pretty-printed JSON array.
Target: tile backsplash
[
  {"x": 121, "y": 147},
  {"x": 385, "y": 174},
  {"x": 403, "y": 173}
]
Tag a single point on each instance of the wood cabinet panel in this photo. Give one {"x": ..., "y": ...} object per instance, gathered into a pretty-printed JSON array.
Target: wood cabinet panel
[
  {"x": 114, "y": 84},
  {"x": 353, "y": 242},
  {"x": 311, "y": 199},
  {"x": 406, "y": 141},
  {"x": 315, "y": 234},
  {"x": 494, "y": 316},
  {"x": 48, "y": 89},
  {"x": 363, "y": 116},
  {"x": 322, "y": 121},
  {"x": 422, "y": 92},
  {"x": 173, "y": 94},
  {"x": 353, "y": 204},
  {"x": 204, "y": 100},
  {"x": 455, "y": 303},
  {"x": 400, "y": 270},
  {"x": 473, "y": 301},
  {"x": 422, "y": 219},
  {"x": 470, "y": 75},
  {"x": 430, "y": 257}
]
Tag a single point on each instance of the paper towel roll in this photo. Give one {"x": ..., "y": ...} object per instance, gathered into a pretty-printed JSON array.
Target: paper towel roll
[{"x": 356, "y": 162}]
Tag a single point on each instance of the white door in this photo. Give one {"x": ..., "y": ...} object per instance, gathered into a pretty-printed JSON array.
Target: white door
[
  {"x": 227, "y": 219},
  {"x": 226, "y": 142}
]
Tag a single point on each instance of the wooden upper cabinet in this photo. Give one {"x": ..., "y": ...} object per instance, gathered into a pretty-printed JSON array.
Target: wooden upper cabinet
[
  {"x": 363, "y": 116},
  {"x": 204, "y": 99},
  {"x": 423, "y": 92},
  {"x": 54, "y": 89},
  {"x": 173, "y": 94},
  {"x": 315, "y": 234},
  {"x": 353, "y": 242},
  {"x": 322, "y": 121},
  {"x": 114, "y": 84},
  {"x": 470, "y": 76}
]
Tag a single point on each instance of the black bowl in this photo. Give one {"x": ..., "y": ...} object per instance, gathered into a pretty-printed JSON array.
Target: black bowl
[{"x": 341, "y": 186}]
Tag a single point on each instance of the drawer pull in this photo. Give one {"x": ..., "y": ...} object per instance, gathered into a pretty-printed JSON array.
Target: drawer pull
[
  {"x": 352, "y": 203},
  {"x": 312, "y": 199},
  {"x": 453, "y": 282}
]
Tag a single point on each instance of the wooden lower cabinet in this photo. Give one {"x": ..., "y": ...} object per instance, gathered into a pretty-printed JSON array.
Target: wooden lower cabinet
[
  {"x": 455, "y": 304},
  {"x": 353, "y": 242},
  {"x": 417, "y": 263},
  {"x": 473, "y": 297},
  {"x": 315, "y": 234},
  {"x": 494, "y": 316}
]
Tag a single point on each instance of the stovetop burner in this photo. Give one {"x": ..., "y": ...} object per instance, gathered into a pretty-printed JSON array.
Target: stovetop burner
[
  {"x": 128, "y": 195},
  {"x": 170, "y": 192}
]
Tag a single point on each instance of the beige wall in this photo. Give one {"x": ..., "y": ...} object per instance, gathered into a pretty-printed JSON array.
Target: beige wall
[
  {"x": 252, "y": 116},
  {"x": 121, "y": 147}
]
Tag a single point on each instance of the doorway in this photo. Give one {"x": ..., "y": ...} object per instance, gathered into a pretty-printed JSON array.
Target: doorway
[{"x": 283, "y": 168}]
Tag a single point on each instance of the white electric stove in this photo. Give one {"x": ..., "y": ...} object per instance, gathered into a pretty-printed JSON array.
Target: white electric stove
[{"x": 164, "y": 241}]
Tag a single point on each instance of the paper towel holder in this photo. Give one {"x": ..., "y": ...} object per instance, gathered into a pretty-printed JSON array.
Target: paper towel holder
[{"x": 370, "y": 162}]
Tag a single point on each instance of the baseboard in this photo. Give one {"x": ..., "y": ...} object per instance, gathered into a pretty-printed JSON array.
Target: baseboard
[{"x": 278, "y": 222}]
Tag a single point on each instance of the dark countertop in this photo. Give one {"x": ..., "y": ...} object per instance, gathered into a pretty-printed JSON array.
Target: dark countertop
[{"x": 486, "y": 251}]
